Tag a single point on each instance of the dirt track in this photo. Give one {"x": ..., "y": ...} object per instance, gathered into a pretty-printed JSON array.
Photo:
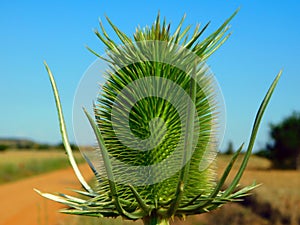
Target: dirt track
[{"x": 20, "y": 204}]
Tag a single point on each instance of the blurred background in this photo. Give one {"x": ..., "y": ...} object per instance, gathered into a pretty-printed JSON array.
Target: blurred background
[{"x": 265, "y": 39}]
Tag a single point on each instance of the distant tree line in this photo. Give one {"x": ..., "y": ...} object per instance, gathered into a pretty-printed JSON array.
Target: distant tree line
[{"x": 24, "y": 144}]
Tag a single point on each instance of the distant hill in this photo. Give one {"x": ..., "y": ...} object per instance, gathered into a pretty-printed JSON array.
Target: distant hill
[{"x": 17, "y": 143}]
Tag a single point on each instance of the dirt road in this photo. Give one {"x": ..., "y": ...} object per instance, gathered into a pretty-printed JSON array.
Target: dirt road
[{"x": 20, "y": 204}]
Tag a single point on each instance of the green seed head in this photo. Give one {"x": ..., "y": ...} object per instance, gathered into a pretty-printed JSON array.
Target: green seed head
[{"x": 157, "y": 114}]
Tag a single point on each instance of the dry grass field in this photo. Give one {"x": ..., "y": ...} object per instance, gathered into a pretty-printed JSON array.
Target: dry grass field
[
  {"x": 278, "y": 198},
  {"x": 17, "y": 156},
  {"x": 16, "y": 164}
]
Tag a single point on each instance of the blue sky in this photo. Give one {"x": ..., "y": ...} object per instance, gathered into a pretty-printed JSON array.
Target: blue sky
[{"x": 265, "y": 39}]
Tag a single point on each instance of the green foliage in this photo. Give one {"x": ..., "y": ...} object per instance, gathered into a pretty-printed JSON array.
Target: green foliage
[
  {"x": 61, "y": 146},
  {"x": 285, "y": 143},
  {"x": 230, "y": 149},
  {"x": 186, "y": 191},
  {"x": 265, "y": 153},
  {"x": 3, "y": 147},
  {"x": 43, "y": 146},
  {"x": 25, "y": 144}
]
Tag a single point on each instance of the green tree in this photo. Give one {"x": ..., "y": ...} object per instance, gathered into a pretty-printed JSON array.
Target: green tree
[
  {"x": 230, "y": 149},
  {"x": 285, "y": 143},
  {"x": 3, "y": 147},
  {"x": 61, "y": 146}
]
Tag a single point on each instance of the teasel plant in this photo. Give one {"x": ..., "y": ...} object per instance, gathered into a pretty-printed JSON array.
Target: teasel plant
[{"x": 141, "y": 183}]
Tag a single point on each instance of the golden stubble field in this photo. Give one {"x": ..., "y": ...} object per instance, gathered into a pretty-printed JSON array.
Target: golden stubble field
[{"x": 278, "y": 197}]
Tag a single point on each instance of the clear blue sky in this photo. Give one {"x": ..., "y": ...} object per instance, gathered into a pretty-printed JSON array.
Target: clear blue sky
[{"x": 265, "y": 39}]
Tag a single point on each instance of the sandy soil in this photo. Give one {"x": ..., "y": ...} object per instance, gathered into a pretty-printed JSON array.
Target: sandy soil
[{"x": 20, "y": 204}]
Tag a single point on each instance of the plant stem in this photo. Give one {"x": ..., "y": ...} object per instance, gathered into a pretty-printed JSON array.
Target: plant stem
[{"x": 155, "y": 220}]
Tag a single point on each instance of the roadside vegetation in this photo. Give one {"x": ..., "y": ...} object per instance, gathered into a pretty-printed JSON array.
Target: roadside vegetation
[{"x": 16, "y": 164}]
